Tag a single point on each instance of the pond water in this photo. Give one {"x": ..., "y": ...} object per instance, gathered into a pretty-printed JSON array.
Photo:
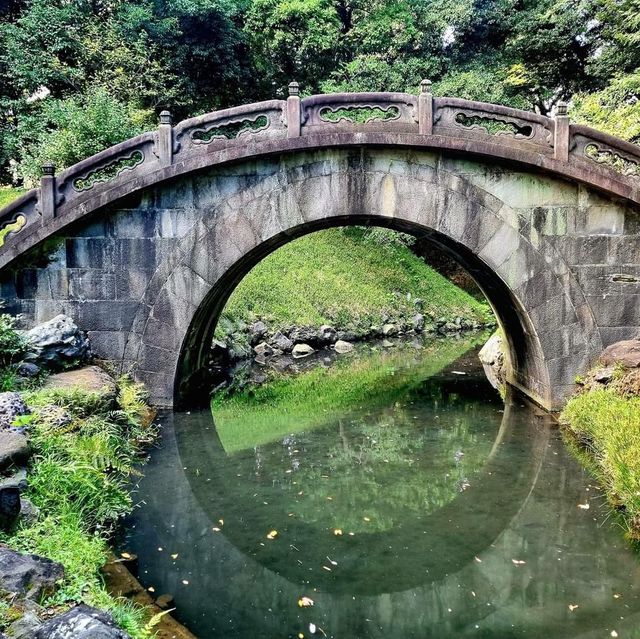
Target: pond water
[{"x": 398, "y": 493}]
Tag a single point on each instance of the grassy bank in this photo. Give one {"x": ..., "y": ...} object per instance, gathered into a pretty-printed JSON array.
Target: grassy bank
[
  {"x": 604, "y": 427},
  {"x": 346, "y": 278},
  {"x": 84, "y": 448},
  {"x": 8, "y": 194}
]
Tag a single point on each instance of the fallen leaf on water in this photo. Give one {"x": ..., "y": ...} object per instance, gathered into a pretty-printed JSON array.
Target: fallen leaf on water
[
  {"x": 151, "y": 589},
  {"x": 614, "y": 633},
  {"x": 583, "y": 506},
  {"x": 351, "y": 534},
  {"x": 300, "y": 635},
  {"x": 327, "y": 568},
  {"x": 215, "y": 529},
  {"x": 337, "y": 531},
  {"x": 617, "y": 595},
  {"x": 185, "y": 582},
  {"x": 332, "y": 562},
  {"x": 272, "y": 535},
  {"x": 125, "y": 555},
  {"x": 312, "y": 628},
  {"x": 572, "y": 607},
  {"x": 478, "y": 559},
  {"x": 174, "y": 556},
  {"x": 221, "y": 522},
  {"x": 366, "y": 518},
  {"x": 518, "y": 562},
  {"x": 305, "y": 602}
]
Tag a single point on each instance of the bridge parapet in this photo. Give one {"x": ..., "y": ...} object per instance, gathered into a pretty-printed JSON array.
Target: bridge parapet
[{"x": 319, "y": 121}]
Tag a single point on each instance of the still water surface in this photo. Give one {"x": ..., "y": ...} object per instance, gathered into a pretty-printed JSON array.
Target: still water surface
[{"x": 419, "y": 506}]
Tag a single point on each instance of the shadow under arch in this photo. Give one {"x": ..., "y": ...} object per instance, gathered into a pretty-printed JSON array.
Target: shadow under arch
[{"x": 526, "y": 355}]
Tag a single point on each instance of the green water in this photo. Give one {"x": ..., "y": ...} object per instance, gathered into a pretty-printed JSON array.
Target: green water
[{"x": 398, "y": 493}]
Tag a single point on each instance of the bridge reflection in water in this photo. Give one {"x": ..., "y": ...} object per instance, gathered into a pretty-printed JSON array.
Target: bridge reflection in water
[{"x": 464, "y": 512}]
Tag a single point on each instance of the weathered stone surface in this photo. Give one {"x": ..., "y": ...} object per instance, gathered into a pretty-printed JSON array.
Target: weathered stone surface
[
  {"x": 24, "y": 627},
  {"x": 626, "y": 353},
  {"x": 11, "y": 406},
  {"x": 14, "y": 449},
  {"x": 327, "y": 334},
  {"x": 257, "y": 331},
  {"x": 302, "y": 350},
  {"x": 18, "y": 479},
  {"x": 81, "y": 622},
  {"x": 53, "y": 415},
  {"x": 604, "y": 375},
  {"x": 302, "y": 334},
  {"x": 28, "y": 370},
  {"x": 387, "y": 344},
  {"x": 57, "y": 343},
  {"x": 341, "y": 346},
  {"x": 263, "y": 350},
  {"x": 494, "y": 361},
  {"x": 282, "y": 342},
  {"x": 389, "y": 329},
  {"x": 29, "y": 576},
  {"x": 417, "y": 321},
  {"x": 91, "y": 379},
  {"x": 29, "y": 512}
]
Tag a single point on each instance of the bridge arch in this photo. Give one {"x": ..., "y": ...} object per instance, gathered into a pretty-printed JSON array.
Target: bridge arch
[{"x": 545, "y": 315}]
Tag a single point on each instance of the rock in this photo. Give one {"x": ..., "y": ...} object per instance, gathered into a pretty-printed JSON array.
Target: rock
[
  {"x": 9, "y": 506},
  {"x": 28, "y": 370},
  {"x": 626, "y": 353},
  {"x": 54, "y": 416},
  {"x": 302, "y": 334},
  {"x": 30, "y": 576},
  {"x": 57, "y": 343},
  {"x": 11, "y": 406},
  {"x": 494, "y": 361},
  {"x": 343, "y": 347},
  {"x": 418, "y": 302},
  {"x": 91, "y": 379},
  {"x": 257, "y": 331},
  {"x": 81, "y": 622},
  {"x": 327, "y": 334},
  {"x": 14, "y": 449},
  {"x": 282, "y": 342},
  {"x": 263, "y": 350},
  {"x": 24, "y": 627},
  {"x": 604, "y": 375},
  {"x": 417, "y": 321},
  {"x": 17, "y": 479},
  {"x": 29, "y": 513},
  {"x": 389, "y": 329},
  {"x": 386, "y": 343},
  {"x": 302, "y": 350},
  {"x": 164, "y": 601},
  {"x": 346, "y": 336}
]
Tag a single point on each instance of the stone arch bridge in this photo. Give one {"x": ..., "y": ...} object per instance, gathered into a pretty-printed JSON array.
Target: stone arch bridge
[{"x": 143, "y": 243}]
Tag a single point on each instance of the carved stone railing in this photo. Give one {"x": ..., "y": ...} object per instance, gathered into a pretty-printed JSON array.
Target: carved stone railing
[{"x": 278, "y": 126}]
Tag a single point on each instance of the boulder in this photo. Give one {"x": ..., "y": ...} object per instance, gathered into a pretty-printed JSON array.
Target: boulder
[
  {"x": 282, "y": 342},
  {"x": 343, "y": 347},
  {"x": 81, "y": 622},
  {"x": 54, "y": 416},
  {"x": 17, "y": 479},
  {"x": 57, "y": 344},
  {"x": 28, "y": 370},
  {"x": 494, "y": 361},
  {"x": 29, "y": 512},
  {"x": 626, "y": 353},
  {"x": 386, "y": 343},
  {"x": 14, "y": 449},
  {"x": 302, "y": 334},
  {"x": 604, "y": 375},
  {"x": 11, "y": 406},
  {"x": 263, "y": 350},
  {"x": 9, "y": 506},
  {"x": 24, "y": 627},
  {"x": 302, "y": 350},
  {"x": 257, "y": 331},
  {"x": 327, "y": 334},
  {"x": 29, "y": 576},
  {"x": 389, "y": 329},
  {"x": 346, "y": 336},
  {"x": 91, "y": 379}
]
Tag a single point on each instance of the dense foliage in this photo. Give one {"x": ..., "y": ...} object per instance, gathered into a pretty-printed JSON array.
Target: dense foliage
[{"x": 78, "y": 76}]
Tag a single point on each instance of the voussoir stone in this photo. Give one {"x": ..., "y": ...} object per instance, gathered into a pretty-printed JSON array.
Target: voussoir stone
[
  {"x": 492, "y": 356},
  {"x": 91, "y": 379},
  {"x": 11, "y": 406},
  {"x": 626, "y": 353},
  {"x": 14, "y": 449},
  {"x": 29, "y": 576},
  {"x": 57, "y": 343},
  {"x": 81, "y": 622}
]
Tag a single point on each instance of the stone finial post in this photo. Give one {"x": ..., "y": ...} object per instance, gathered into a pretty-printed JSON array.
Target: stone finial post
[
  {"x": 293, "y": 111},
  {"x": 48, "y": 192},
  {"x": 425, "y": 108},
  {"x": 165, "y": 139},
  {"x": 561, "y": 137}
]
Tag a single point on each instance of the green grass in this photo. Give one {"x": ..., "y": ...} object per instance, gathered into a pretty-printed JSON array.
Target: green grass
[
  {"x": 343, "y": 278},
  {"x": 606, "y": 427},
  {"x": 8, "y": 194},
  {"x": 292, "y": 404},
  {"x": 79, "y": 478}
]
